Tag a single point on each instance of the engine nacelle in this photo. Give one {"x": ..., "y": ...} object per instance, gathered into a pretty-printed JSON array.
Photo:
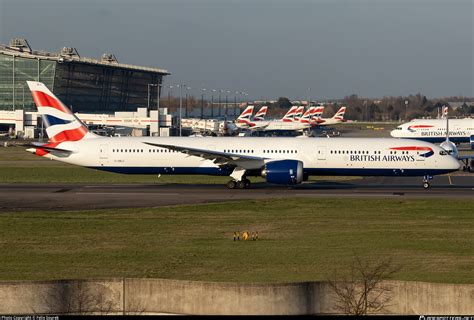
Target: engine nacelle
[{"x": 287, "y": 172}]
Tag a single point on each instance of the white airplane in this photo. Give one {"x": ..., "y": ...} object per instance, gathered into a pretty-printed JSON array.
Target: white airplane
[
  {"x": 434, "y": 130},
  {"x": 337, "y": 118},
  {"x": 441, "y": 130},
  {"x": 284, "y": 161}
]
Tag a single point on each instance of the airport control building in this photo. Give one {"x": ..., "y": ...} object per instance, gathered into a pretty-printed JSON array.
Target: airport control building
[{"x": 84, "y": 84}]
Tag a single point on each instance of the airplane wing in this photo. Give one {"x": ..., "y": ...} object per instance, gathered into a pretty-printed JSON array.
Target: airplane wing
[{"x": 218, "y": 157}]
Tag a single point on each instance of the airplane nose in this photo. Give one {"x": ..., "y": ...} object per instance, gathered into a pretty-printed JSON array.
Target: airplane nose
[
  {"x": 455, "y": 164},
  {"x": 393, "y": 133}
]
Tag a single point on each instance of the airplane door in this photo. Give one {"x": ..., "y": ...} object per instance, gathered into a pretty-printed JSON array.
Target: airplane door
[
  {"x": 321, "y": 153},
  {"x": 103, "y": 153}
]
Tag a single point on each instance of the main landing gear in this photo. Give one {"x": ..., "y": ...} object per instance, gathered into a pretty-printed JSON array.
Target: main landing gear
[
  {"x": 426, "y": 183},
  {"x": 242, "y": 184},
  {"x": 466, "y": 166}
]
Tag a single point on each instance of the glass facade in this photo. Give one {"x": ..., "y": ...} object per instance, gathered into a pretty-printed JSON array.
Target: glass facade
[
  {"x": 14, "y": 71},
  {"x": 84, "y": 87},
  {"x": 97, "y": 88}
]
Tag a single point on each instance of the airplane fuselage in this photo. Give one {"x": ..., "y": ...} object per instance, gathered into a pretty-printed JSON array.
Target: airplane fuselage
[{"x": 320, "y": 156}]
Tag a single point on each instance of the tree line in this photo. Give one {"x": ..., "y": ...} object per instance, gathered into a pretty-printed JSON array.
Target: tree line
[{"x": 358, "y": 108}]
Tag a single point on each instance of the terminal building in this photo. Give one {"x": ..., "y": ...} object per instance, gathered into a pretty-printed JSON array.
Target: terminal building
[{"x": 85, "y": 85}]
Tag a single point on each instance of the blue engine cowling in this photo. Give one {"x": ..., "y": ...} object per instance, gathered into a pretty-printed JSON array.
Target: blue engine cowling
[{"x": 287, "y": 172}]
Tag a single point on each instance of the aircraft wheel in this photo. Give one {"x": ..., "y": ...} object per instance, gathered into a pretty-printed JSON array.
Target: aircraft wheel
[
  {"x": 241, "y": 184},
  {"x": 426, "y": 185},
  {"x": 231, "y": 184},
  {"x": 247, "y": 183}
]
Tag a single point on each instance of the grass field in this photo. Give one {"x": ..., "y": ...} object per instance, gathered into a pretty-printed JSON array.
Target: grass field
[{"x": 300, "y": 239}]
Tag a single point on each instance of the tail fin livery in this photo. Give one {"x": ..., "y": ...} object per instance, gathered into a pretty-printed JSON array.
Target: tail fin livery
[
  {"x": 306, "y": 118},
  {"x": 340, "y": 114},
  {"x": 260, "y": 115},
  {"x": 245, "y": 116},
  {"x": 299, "y": 113},
  {"x": 317, "y": 114},
  {"x": 60, "y": 123},
  {"x": 289, "y": 116}
]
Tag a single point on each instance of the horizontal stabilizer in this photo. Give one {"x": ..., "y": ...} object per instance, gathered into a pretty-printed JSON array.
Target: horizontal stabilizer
[{"x": 47, "y": 148}]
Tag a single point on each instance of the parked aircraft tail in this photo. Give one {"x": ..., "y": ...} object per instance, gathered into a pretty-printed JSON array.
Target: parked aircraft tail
[
  {"x": 340, "y": 114},
  {"x": 260, "y": 115},
  {"x": 299, "y": 113},
  {"x": 289, "y": 116},
  {"x": 246, "y": 114}
]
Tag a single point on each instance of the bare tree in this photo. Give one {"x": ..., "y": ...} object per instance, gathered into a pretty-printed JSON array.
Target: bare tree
[
  {"x": 79, "y": 298},
  {"x": 363, "y": 291}
]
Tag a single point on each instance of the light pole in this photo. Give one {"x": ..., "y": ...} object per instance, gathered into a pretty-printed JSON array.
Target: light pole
[
  {"x": 169, "y": 96},
  {"x": 180, "y": 86},
  {"x": 365, "y": 108},
  {"x": 212, "y": 102},
  {"x": 235, "y": 99},
  {"x": 309, "y": 97},
  {"x": 219, "y": 104},
  {"x": 406, "y": 110},
  {"x": 186, "y": 105},
  {"x": 225, "y": 111},
  {"x": 202, "y": 102},
  {"x": 158, "y": 89}
]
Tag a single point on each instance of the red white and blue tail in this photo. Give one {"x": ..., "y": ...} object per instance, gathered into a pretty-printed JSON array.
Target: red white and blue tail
[
  {"x": 340, "y": 114},
  {"x": 306, "y": 118},
  {"x": 60, "y": 123},
  {"x": 260, "y": 115},
  {"x": 317, "y": 114},
  {"x": 289, "y": 116},
  {"x": 298, "y": 113},
  {"x": 245, "y": 117}
]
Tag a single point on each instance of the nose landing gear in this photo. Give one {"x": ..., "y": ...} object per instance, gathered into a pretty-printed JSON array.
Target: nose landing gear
[{"x": 426, "y": 183}]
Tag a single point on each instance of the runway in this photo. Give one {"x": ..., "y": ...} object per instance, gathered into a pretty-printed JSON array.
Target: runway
[{"x": 22, "y": 197}]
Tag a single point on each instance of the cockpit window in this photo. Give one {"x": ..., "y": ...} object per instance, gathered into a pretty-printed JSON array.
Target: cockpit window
[
  {"x": 399, "y": 128},
  {"x": 443, "y": 153}
]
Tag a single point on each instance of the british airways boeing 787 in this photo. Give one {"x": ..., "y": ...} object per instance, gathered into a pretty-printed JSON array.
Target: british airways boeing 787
[{"x": 286, "y": 161}]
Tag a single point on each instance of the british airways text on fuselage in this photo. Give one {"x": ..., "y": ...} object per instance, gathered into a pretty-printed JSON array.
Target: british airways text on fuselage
[
  {"x": 386, "y": 158},
  {"x": 441, "y": 133}
]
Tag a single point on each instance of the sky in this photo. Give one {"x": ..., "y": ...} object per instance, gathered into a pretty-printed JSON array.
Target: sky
[{"x": 268, "y": 48}]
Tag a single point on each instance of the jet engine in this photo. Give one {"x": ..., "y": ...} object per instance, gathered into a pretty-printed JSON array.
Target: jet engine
[{"x": 287, "y": 172}]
